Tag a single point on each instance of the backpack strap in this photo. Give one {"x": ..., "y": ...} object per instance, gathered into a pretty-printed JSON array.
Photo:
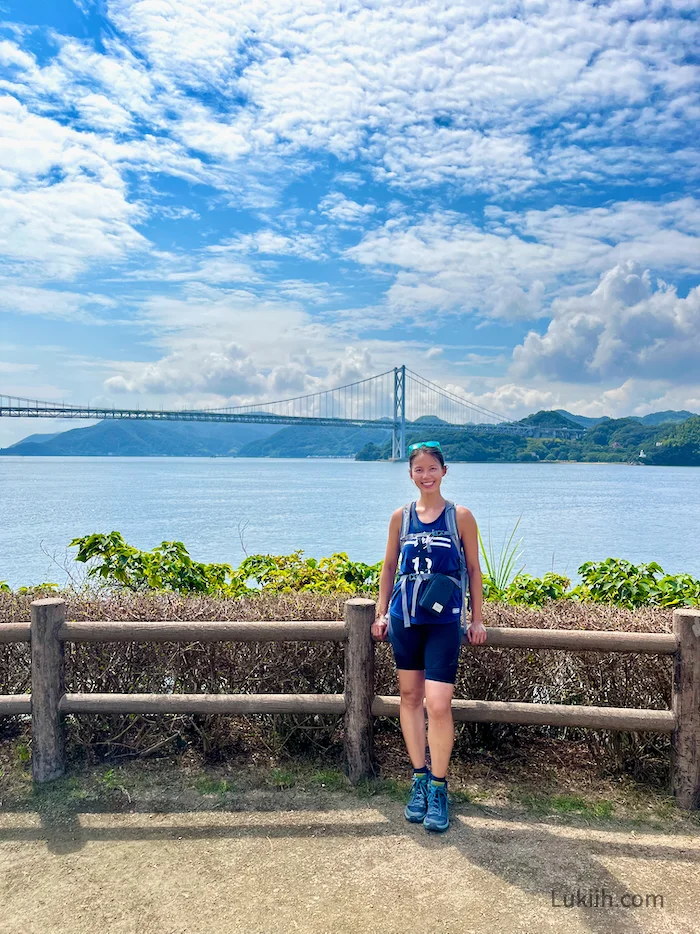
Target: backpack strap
[
  {"x": 405, "y": 530},
  {"x": 405, "y": 522},
  {"x": 452, "y": 528}
]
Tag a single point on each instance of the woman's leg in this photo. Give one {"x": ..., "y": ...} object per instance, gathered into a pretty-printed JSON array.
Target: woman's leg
[
  {"x": 442, "y": 648},
  {"x": 412, "y": 715},
  {"x": 441, "y": 733}
]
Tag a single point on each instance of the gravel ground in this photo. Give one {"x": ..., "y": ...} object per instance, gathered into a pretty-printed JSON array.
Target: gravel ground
[{"x": 287, "y": 861}]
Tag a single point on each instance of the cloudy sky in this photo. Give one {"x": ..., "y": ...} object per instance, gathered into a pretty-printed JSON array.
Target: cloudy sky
[{"x": 208, "y": 203}]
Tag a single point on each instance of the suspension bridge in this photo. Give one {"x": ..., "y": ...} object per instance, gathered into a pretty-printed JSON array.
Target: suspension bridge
[{"x": 396, "y": 400}]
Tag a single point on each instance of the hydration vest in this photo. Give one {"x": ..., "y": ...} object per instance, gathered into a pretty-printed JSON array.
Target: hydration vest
[{"x": 421, "y": 576}]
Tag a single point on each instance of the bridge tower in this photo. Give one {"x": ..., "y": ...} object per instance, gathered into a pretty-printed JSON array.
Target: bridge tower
[{"x": 398, "y": 434}]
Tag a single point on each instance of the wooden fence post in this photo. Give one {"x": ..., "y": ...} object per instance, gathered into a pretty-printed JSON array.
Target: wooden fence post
[
  {"x": 359, "y": 688},
  {"x": 48, "y": 740},
  {"x": 686, "y": 708}
]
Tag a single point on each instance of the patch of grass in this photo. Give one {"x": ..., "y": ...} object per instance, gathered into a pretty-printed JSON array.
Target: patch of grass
[
  {"x": 206, "y": 785},
  {"x": 56, "y": 801},
  {"x": 538, "y": 802},
  {"x": 109, "y": 780},
  {"x": 533, "y": 801},
  {"x": 333, "y": 779},
  {"x": 281, "y": 778},
  {"x": 575, "y": 804},
  {"x": 391, "y": 787},
  {"x": 462, "y": 796},
  {"x": 23, "y": 753},
  {"x": 668, "y": 809}
]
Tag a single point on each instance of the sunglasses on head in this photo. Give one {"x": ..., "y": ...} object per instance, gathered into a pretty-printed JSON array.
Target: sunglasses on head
[{"x": 424, "y": 444}]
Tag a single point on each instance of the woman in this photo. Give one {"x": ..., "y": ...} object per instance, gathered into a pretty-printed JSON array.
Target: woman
[{"x": 425, "y": 627}]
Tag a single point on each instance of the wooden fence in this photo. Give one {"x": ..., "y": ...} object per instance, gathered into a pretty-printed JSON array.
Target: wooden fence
[{"x": 48, "y": 702}]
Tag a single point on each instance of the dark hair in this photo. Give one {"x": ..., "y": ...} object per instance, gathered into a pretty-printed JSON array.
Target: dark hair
[{"x": 424, "y": 449}]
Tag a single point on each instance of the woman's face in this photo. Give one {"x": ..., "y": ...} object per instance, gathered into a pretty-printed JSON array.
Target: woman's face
[{"x": 427, "y": 472}]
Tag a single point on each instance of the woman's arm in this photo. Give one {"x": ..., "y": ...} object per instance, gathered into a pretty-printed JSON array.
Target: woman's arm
[
  {"x": 388, "y": 573},
  {"x": 386, "y": 578},
  {"x": 466, "y": 523}
]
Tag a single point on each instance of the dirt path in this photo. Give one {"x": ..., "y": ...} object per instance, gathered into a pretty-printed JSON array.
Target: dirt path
[{"x": 350, "y": 867}]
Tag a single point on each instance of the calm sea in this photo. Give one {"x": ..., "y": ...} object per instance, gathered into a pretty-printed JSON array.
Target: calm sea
[{"x": 222, "y": 508}]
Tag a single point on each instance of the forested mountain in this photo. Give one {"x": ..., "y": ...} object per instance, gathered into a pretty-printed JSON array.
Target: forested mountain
[
  {"x": 680, "y": 447},
  {"x": 314, "y": 441},
  {"x": 623, "y": 440},
  {"x": 130, "y": 438},
  {"x": 654, "y": 418}
]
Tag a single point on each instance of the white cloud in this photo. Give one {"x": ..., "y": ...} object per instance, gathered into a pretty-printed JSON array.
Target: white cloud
[
  {"x": 229, "y": 372},
  {"x": 7, "y": 366},
  {"x": 345, "y": 211},
  {"x": 271, "y": 243},
  {"x": 627, "y": 327},
  {"x": 515, "y": 266},
  {"x": 427, "y": 94},
  {"x": 63, "y": 205},
  {"x": 52, "y": 303},
  {"x": 431, "y": 100}
]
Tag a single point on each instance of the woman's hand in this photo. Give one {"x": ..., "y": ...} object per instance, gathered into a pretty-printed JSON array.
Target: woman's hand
[
  {"x": 476, "y": 633},
  {"x": 380, "y": 628}
]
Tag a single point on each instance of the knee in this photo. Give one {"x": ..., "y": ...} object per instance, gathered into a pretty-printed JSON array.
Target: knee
[
  {"x": 412, "y": 699},
  {"x": 439, "y": 708}
]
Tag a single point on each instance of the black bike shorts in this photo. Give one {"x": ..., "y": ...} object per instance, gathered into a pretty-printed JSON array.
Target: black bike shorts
[{"x": 433, "y": 648}]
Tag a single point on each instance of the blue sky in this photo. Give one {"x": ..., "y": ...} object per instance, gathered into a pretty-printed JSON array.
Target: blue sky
[{"x": 209, "y": 204}]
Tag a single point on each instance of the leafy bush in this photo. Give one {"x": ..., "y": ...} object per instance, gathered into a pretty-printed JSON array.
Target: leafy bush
[
  {"x": 289, "y": 573},
  {"x": 533, "y": 591},
  {"x": 618, "y": 581},
  {"x": 34, "y": 590},
  {"x": 169, "y": 567}
]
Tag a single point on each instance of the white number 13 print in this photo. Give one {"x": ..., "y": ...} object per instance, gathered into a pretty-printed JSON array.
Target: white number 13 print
[{"x": 417, "y": 567}]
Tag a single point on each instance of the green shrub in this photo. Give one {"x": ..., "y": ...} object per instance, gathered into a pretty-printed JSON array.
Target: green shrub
[
  {"x": 169, "y": 567},
  {"x": 618, "y": 581},
  {"x": 534, "y": 591},
  {"x": 288, "y": 573}
]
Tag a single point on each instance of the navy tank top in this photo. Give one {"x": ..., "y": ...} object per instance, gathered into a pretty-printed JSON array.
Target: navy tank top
[{"x": 428, "y": 548}]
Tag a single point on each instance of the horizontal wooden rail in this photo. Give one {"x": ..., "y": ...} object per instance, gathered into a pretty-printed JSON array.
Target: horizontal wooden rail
[
  {"x": 604, "y": 718},
  {"x": 12, "y": 704},
  {"x": 332, "y": 631},
  {"x": 588, "y": 640},
  {"x": 599, "y": 640},
  {"x": 202, "y": 631},
  {"x": 202, "y": 703},
  {"x": 14, "y": 632},
  {"x": 595, "y": 718}
]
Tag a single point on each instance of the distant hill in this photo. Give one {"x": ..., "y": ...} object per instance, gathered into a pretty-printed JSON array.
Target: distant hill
[
  {"x": 314, "y": 441},
  {"x": 653, "y": 418},
  {"x": 585, "y": 420},
  {"x": 130, "y": 438},
  {"x": 608, "y": 440},
  {"x": 660, "y": 418},
  {"x": 680, "y": 447},
  {"x": 33, "y": 439},
  {"x": 548, "y": 419}
]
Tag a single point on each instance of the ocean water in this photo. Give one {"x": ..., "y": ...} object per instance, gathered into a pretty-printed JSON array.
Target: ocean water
[{"x": 223, "y": 508}]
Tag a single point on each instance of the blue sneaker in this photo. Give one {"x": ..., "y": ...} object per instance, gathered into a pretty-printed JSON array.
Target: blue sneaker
[
  {"x": 417, "y": 806},
  {"x": 437, "y": 817}
]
